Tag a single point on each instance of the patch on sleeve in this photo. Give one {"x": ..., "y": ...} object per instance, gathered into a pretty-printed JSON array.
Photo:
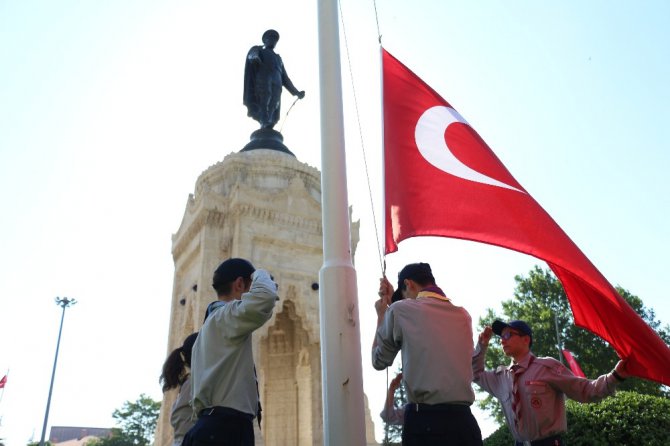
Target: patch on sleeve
[{"x": 536, "y": 403}]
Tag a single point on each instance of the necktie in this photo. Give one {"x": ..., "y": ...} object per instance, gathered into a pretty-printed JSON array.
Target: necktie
[{"x": 517, "y": 370}]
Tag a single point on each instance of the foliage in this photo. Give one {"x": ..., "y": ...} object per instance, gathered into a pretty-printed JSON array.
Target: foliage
[
  {"x": 539, "y": 299},
  {"x": 629, "y": 418},
  {"x": 501, "y": 437},
  {"x": 36, "y": 443},
  {"x": 117, "y": 438},
  {"x": 624, "y": 419},
  {"x": 393, "y": 432},
  {"x": 138, "y": 422}
]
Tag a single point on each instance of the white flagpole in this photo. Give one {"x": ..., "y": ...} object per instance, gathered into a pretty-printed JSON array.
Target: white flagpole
[{"x": 341, "y": 371}]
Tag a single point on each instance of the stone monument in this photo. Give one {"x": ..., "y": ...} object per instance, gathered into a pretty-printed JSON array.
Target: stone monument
[{"x": 263, "y": 205}]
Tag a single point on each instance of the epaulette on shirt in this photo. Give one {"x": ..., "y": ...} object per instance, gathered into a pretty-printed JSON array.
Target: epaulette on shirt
[
  {"x": 552, "y": 364},
  {"x": 500, "y": 369}
]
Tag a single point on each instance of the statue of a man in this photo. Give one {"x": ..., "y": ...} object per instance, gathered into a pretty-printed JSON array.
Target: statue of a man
[{"x": 264, "y": 76}]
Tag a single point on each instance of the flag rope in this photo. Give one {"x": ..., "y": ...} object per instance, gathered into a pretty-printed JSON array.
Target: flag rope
[
  {"x": 379, "y": 33},
  {"x": 382, "y": 263},
  {"x": 387, "y": 410}
]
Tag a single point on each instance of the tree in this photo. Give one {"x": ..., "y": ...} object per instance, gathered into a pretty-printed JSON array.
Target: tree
[
  {"x": 621, "y": 420},
  {"x": 138, "y": 422},
  {"x": 539, "y": 299},
  {"x": 393, "y": 432}
]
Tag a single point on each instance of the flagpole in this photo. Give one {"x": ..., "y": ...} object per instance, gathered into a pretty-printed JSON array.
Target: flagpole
[
  {"x": 63, "y": 303},
  {"x": 341, "y": 371},
  {"x": 558, "y": 339}
]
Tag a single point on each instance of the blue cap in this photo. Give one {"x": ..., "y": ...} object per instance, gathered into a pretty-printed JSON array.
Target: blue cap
[{"x": 520, "y": 326}]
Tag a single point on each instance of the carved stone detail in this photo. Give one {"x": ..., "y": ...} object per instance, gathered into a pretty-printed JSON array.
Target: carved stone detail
[{"x": 265, "y": 206}]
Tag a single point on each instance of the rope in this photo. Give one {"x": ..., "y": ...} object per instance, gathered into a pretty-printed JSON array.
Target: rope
[
  {"x": 386, "y": 408},
  {"x": 382, "y": 263},
  {"x": 382, "y": 259},
  {"x": 379, "y": 33}
]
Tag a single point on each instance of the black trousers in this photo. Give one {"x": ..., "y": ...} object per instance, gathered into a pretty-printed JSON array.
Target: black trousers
[
  {"x": 440, "y": 425},
  {"x": 554, "y": 440},
  {"x": 221, "y": 426}
]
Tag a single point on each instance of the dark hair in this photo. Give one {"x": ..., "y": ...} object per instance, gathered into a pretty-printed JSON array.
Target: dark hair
[
  {"x": 228, "y": 272},
  {"x": 174, "y": 368},
  {"x": 418, "y": 272}
]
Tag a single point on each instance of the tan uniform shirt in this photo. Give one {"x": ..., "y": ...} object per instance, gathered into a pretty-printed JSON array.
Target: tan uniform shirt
[
  {"x": 543, "y": 386},
  {"x": 435, "y": 337},
  {"x": 181, "y": 416},
  {"x": 222, "y": 364}
]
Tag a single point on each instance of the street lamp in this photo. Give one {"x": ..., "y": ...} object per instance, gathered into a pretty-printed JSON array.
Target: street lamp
[{"x": 63, "y": 303}]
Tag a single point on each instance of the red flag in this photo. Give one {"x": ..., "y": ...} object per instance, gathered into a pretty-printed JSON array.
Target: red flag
[
  {"x": 572, "y": 362},
  {"x": 441, "y": 179},
  {"x": 3, "y": 381}
]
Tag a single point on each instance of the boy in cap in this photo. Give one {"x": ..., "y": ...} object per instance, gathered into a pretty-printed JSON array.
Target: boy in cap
[
  {"x": 435, "y": 338},
  {"x": 532, "y": 390},
  {"x": 225, "y": 394}
]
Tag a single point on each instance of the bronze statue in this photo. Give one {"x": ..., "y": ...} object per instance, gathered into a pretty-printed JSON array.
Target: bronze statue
[{"x": 264, "y": 77}]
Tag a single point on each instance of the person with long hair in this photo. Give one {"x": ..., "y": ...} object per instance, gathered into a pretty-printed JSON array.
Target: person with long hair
[{"x": 176, "y": 375}]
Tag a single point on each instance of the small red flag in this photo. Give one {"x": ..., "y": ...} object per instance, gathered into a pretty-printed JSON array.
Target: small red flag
[
  {"x": 441, "y": 179},
  {"x": 3, "y": 381},
  {"x": 572, "y": 362}
]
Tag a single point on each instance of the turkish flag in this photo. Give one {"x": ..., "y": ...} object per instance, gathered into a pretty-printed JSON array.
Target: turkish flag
[
  {"x": 441, "y": 179},
  {"x": 3, "y": 381},
  {"x": 572, "y": 362}
]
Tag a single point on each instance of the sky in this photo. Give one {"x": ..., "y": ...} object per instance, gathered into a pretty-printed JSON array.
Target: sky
[{"x": 109, "y": 111}]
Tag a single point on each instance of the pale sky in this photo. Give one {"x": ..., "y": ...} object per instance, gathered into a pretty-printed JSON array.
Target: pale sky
[{"x": 109, "y": 111}]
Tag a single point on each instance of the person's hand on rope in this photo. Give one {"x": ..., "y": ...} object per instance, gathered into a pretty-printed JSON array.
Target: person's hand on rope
[{"x": 385, "y": 292}]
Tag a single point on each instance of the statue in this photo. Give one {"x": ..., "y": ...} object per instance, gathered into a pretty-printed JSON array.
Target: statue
[{"x": 264, "y": 77}]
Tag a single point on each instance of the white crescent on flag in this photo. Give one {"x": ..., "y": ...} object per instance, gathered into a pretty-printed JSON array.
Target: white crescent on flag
[{"x": 429, "y": 137}]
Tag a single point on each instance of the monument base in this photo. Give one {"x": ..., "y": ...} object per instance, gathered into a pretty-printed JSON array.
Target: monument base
[{"x": 267, "y": 139}]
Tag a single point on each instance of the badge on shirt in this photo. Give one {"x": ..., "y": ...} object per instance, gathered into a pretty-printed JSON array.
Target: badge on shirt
[{"x": 535, "y": 402}]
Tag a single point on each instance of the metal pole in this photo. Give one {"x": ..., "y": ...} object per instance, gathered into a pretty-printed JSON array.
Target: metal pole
[
  {"x": 558, "y": 339},
  {"x": 64, "y": 303},
  {"x": 341, "y": 370}
]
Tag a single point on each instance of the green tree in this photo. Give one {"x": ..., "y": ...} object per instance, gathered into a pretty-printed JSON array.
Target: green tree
[
  {"x": 116, "y": 438},
  {"x": 539, "y": 299},
  {"x": 137, "y": 421},
  {"x": 625, "y": 419},
  {"x": 393, "y": 432}
]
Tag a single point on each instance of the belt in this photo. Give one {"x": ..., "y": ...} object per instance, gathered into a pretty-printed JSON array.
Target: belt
[
  {"x": 219, "y": 411},
  {"x": 554, "y": 440},
  {"x": 442, "y": 407}
]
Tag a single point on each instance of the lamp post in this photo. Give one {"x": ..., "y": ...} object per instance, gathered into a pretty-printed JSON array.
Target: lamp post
[{"x": 63, "y": 303}]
